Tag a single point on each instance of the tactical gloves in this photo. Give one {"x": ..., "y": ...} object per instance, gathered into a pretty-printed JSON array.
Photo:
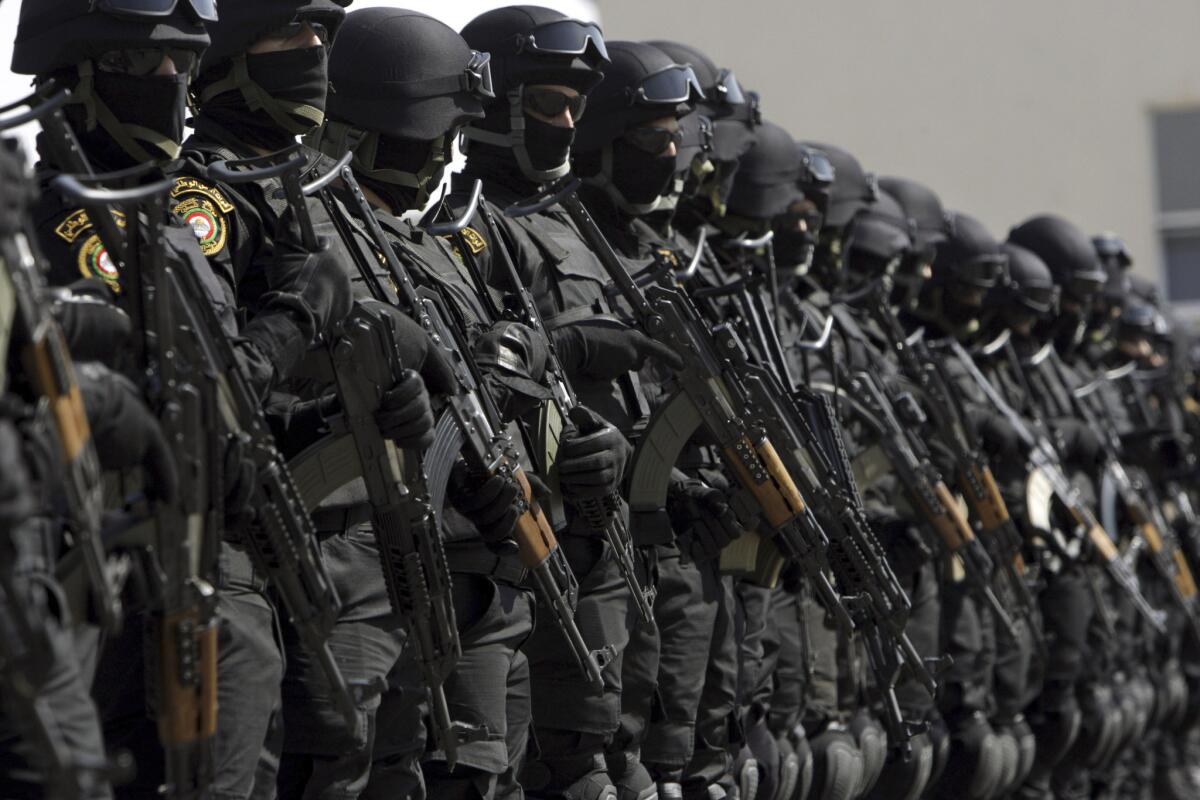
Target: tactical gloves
[
  {"x": 605, "y": 351},
  {"x": 591, "y": 457}
]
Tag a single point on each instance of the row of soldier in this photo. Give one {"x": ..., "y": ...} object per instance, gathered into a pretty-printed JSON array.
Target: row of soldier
[{"x": 659, "y": 455}]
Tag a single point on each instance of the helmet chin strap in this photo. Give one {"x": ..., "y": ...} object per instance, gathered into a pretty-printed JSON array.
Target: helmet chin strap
[
  {"x": 259, "y": 99},
  {"x": 515, "y": 140},
  {"x": 124, "y": 134},
  {"x": 339, "y": 137}
]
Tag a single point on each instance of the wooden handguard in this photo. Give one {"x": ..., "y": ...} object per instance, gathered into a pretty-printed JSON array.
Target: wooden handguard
[
  {"x": 57, "y": 384},
  {"x": 951, "y": 526},
  {"x": 1101, "y": 541},
  {"x": 776, "y": 493},
  {"x": 1183, "y": 576},
  {"x": 1153, "y": 538},
  {"x": 535, "y": 537},
  {"x": 992, "y": 510},
  {"x": 187, "y": 712}
]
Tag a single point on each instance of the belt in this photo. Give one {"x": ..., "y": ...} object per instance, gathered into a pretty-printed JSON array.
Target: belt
[
  {"x": 335, "y": 520},
  {"x": 480, "y": 561}
]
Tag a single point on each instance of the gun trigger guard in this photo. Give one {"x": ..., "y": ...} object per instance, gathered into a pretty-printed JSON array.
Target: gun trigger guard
[{"x": 605, "y": 655}]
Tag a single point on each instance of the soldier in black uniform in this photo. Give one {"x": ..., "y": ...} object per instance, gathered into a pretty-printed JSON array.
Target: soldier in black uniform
[
  {"x": 543, "y": 67},
  {"x": 406, "y": 84}
]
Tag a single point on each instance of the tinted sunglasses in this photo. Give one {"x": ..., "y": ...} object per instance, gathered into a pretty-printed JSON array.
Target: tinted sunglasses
[
  {"x": 564, "y": 37},
  {"x": 653, "y": 140},
  {"x": 551, "y": 103},
  {"x": 143, "y": 61},
  {"x": 204, "y": 10},
  {"x": 294, "y": 29}
]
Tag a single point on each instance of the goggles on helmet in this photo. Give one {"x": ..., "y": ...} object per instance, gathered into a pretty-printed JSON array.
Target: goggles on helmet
[
  {"x": 564, "y": 37},
  {"x": 202, "y": 10}
]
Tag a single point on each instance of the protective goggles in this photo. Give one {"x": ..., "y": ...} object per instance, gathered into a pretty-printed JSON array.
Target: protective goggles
[
  {"x": 565, "y": 37},
  {"x": 143, "y": 61},
  {"x": 1039, "y": 299},
  {"x": 294, "y": 29},
  {"x": 670, "y": 86},
  {"x": 1084, "y": 285},
  {"x": 551, "y": 102},
  {"x": 203, "y": 10},
  {"x": 728, "y": 89},
  {"x": 819, "y": 169},
  {"x": 653, "y": 140},
  {"x": 982, "y": 273}
]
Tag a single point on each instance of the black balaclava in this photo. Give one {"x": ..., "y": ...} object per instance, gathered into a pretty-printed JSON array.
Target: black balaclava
[
  {"x": 967, "y": 265},
  {"x": 125, "y": 120},
  {"x": 399, "y": 163},
  {"x": 268, "y": 99}
]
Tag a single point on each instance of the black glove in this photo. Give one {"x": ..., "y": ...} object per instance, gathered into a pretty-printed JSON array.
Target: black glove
[
  {"x": 591, "y": 456},
  {"x": 605, "y": 351},
  {"x": 491, "y": 504},
  {"x": 241, "y": 475},
  {"x": 703, "y": 521},
  {"x": 17, "y": 495},
  {"x": 94, "y": 327},
  {"x": 126, "y": 432},
  {"x": 405, "y": 414},
  {"x": 513, "y": 358},
  {"x": 906, "y": 549}
]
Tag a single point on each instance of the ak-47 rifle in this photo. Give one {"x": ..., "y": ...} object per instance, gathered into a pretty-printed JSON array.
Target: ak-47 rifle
[
  {"x": 1139, "y": 499},
  {"x": 806, "y": 421},
  {"x": 1043, "y": 457},
  {"x": 713, "y": 394},
  {"x": 52, "y": 376},
  {"x": 183, "y": 561},
  {"x": 956, "y": 431},
  {"x": 602, "y": 515}
]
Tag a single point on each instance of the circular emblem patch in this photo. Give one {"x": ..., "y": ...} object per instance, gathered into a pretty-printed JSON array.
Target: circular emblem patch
[
  {"x": 206, "y": 222},
  {"x": 94, "y": 262}
]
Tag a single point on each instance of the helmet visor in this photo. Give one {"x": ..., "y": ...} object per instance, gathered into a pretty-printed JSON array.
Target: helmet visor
[
  {"x": 670, "y": 86},
  {"x": 204, "y": 10},
  {"x": 566, "y": 37},
  {"x": 981, "y": 273}
]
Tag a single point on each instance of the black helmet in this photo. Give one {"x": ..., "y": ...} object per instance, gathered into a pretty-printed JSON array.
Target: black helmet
[
  {"x": 1029, "y": 285},
  {"x": 640, "y": 84},
  {"x": 723, "y": 95},
  {"x": 532, "y": 45},
  {"x": 767, "y": 180},
  {"x": 1138, "y": 319},
  {"x": 817, "y": 177},
  {"x": 405, "y": 74},
  {"x": 244, "y": 22},
  {"x": 922, "y": 206},
  {"x": 1067, "y": 251},
  {"x": 881, "y": 236},
  {"x": 970, "y": 256},
  {"x": 55, "y": 34},
  {"x": 853, "y": 188},
  {"x": 1111, "y": 248}
]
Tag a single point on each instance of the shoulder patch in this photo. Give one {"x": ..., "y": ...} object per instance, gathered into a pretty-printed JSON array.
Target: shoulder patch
[
  {"x": 204, "y": 208},
  {"x": 77, "y": 222},
  {"x": 94, "y": 262},
  {"x": 474, "y": 239}
]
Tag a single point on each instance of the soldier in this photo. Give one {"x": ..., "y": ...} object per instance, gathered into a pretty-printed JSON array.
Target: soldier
[
  {"x": 544, "y": 65},
  {"x": 406, "y": 85}
]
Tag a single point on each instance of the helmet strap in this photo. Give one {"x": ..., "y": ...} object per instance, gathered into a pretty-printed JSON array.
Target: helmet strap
[
  {"x": 604, "y": 180},
  {"x": 259, "y": 99},
  {"x": 335, "y": 138},
  {"x": 124, "y": 134}
]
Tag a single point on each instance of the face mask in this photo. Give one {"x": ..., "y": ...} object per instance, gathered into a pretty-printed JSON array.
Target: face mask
[
  {"x": 404, "y": 172},
  {"x": 127, "y": 120},
  {"x": 549, "y": 146},
  {"x": 641, "y": 178},
  {"x": 794, "y": 249},
  {"x": 270, "y": 98}
]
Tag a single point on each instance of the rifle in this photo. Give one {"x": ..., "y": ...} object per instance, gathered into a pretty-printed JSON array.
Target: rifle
[
  {"x": 1145, "y": 512},
  {"x": 602, "y": 515},
  {"x": 956, "y": 431},
  {"x": 1044, "y": 458},
  {"x": 52, "y": 375},
  {"x": 712, "y": 393}
]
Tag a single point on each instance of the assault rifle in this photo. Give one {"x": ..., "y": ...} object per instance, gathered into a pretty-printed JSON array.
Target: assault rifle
[
  {"x": 711, "y": 393},
  {"x": 52, "y": 376},
  {"x": 1143, "y": 507},
  {"x": 602, "y": 515},
  {"x": 956, "y": 431},
  {"x": 1043, "y": 457}
]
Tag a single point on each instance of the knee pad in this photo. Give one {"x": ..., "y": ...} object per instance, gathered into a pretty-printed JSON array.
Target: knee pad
[
  {"x": 798, "y": 739},
  {"x": 1176, "y": 698},
  {"x": 631, "y": 779},
  {"x": 906, "y": 779},
  {"x": 465, "y": 783},
  {"x": 939, "y": 737},
  {"x": 1026, "y": 750},
  {"x": 582, "y": 777},
  {"x": 789, "y": 770},
  {"x": 1056, "y": 732},
  {"x": 1009, "y": 755},
  {"x": 1099, "y": 721},
  {"x": 872, "y": 743},
  {"x": 975, "y": 765},
  {"x": 669, "y": 790},
  {"x": 763, "y": 750},
  {"x": 837, "y": 764}
]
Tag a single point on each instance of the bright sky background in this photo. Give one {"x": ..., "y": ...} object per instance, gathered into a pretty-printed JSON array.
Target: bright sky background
[{"x": 455, "y": 13}]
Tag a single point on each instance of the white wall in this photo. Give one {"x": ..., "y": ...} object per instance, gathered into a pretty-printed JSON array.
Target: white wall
[{"x": 1006, "y": 107}]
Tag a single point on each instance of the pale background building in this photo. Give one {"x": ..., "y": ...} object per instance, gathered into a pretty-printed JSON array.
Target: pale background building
[{"x": 1089, "y": 108}]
